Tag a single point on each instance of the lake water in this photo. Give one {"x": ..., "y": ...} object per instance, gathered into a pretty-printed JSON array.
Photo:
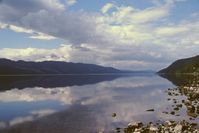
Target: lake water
[{"x": 86, "y": 103}]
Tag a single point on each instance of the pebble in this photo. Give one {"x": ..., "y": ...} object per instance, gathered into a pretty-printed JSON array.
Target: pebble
[
  {"x": 153, "y": 128},
  {"x": 178, "y": 128}
]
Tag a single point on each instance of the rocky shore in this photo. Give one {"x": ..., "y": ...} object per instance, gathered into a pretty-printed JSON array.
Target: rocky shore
[
  {"x": 167, "y": 127},
  {"x": 182, "y": 97}
]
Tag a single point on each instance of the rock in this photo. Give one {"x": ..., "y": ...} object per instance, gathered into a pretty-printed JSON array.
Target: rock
[
  {"x": 150, "y": 110},
  {"x": 114, "y": 115},
  {"x": 176, "y": 108},
  {"x": 187, "y": 103},
  {"x": 137, "y": 130},
  {"x": 153, "y": 128},
  {"x": 178, "y": 128},
  {"x": 172, "y": 112},
  {"x": 191, "y": 109},
  {"x": 168, "y": 123},
  {"x": 194, "y": 124},
  {"x": 167, "y": 127},
  {"x": 133, "y": 124},
  {"x": 183, "y": 101},
  {"x": 140, "y": 124},
  {"x": 179, "y": 105}
]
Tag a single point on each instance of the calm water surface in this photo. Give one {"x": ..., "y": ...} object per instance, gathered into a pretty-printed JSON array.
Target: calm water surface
[{"x": 84, "y": 104}]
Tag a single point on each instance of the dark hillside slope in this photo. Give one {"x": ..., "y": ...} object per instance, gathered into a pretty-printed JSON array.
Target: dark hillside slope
[
  {"x": 188, "y": 65},
  {"x": 9, "y": 67}
]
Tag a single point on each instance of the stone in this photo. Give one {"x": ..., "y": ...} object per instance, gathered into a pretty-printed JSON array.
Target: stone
[
  {"x": 178, "y": 128},
  {"x": 150, "y": 110},
  {"x": 114, "y": 115},
  {"x": 133, "y": 124},
  {"x": 153, "y": 128},
  {"x": 168, "y": 123},
  {"x": 172, "y": 112}
]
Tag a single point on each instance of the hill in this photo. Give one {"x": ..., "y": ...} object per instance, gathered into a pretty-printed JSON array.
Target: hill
[
  {"x": 9, "y": 67},
  {"x": 183, "y": 66}
]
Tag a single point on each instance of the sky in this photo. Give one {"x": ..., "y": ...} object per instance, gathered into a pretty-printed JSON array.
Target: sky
[{"x": 125, "y": 34}]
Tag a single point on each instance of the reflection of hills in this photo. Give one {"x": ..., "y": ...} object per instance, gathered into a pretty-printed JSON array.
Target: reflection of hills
[
  {"x": 186, "y": 94},
  {"x": 181, "y": 79},
  {"x": 20, "y": 82}
]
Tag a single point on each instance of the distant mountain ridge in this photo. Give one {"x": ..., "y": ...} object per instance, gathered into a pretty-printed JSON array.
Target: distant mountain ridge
[
  {"x": 188, "y": 65},
  {"x": 10, "y": 67}
]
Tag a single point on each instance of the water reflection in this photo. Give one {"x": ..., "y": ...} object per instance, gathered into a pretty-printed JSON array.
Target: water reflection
[
  {"x": 87, "y": 108},
  {"x": 21, "y": 82},
  {"x": 185, "y": 96}
]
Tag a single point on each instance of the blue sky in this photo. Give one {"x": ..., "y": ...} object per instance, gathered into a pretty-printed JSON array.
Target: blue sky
[{"x": 126, "y": 34}]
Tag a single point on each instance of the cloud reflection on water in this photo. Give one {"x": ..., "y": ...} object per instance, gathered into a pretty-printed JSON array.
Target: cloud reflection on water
[{"x": 128, "y": 97}]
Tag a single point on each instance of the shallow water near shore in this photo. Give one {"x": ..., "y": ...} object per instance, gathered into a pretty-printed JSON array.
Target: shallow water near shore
[{"x": 92, "y": 103}]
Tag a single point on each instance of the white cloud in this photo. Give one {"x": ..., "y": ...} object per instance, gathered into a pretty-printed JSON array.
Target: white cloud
[
  {"x": 170, "y": 31},
  {"x": 131, "y": 38},
  {"x": 20, "y": 29},
  {"x": 128, "y": 25},
  {"x": 42, "y": 36},
  {"x": 71, "y": 2},
  {"x": 122, "y": 57},
  {"x": 44, "y": 17},
  {"x": 3, "y": 26},
  {"x": 35, "y": 54},
  {"x": 107, "y": 7},
  {"x": 34, "y": 34},
  {"x": 151, "y": 14},
  {"x": 130, "y": 15}
]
